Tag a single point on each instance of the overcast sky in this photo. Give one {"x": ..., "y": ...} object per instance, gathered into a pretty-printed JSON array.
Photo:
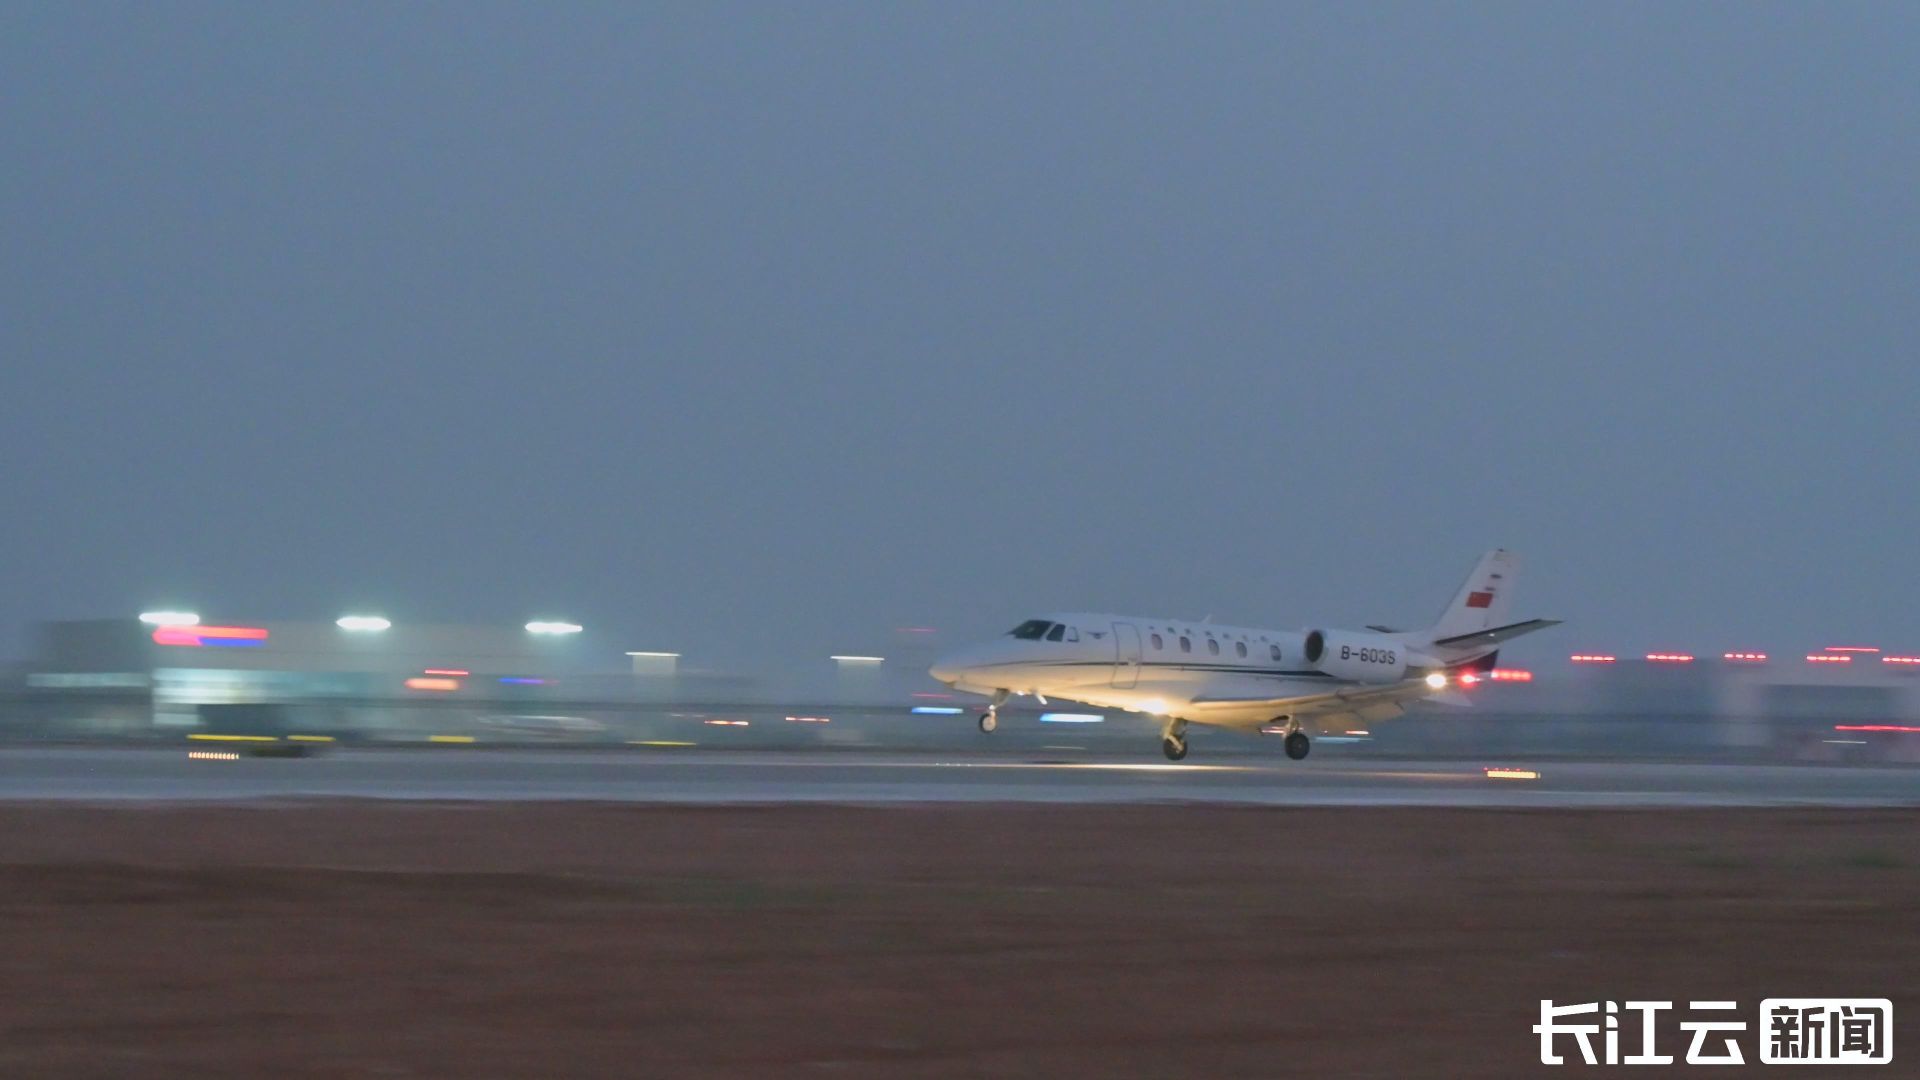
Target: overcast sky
[{"x": 765, "y": 329}]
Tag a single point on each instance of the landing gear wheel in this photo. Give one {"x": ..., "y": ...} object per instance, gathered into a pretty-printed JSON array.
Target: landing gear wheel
[
  {"x": 1174, "y": 747},
  {"x": 1297, "y": 745},
  {"x": 988, "y": 721}
]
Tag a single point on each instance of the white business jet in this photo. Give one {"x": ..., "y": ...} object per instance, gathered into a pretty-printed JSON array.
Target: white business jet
[{"x": 1281, "y": 681}]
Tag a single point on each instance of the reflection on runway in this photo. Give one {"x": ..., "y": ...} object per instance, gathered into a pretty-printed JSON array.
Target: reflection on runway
[{"x": 688, "y": 776}]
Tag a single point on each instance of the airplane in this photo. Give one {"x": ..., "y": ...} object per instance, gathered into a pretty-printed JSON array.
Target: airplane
[{"x": 1249, "y": 680}]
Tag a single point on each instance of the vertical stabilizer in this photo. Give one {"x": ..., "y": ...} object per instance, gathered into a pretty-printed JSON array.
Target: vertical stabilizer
[{"x": 1484, "y": 600}]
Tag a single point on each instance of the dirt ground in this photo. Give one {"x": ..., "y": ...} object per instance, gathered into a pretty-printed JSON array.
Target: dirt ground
[{"x": 406, "y": 940}]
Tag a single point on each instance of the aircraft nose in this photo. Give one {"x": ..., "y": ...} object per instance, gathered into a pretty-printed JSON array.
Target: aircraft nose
[{"x": 945, "y": 670}]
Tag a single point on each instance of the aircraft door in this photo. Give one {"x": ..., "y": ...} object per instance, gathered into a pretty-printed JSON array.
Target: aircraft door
[{"x": 1126, "y": 664}]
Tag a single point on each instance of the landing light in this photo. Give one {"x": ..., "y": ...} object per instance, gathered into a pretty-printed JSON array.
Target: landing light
[
  {"x": 540, "y": 627},
  {"x": 362, "y": 623},
  {"x": 169, "y": 618},
  {"x": 1437, "y": 681},
  {"x": 1156, "y": 706}
]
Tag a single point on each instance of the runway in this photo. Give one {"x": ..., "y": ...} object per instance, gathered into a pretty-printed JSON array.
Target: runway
[{"x": 642, "y": 775}]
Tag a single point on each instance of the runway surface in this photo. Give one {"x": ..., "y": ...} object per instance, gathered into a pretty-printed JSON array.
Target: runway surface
[{"x": 688, "y": 776}]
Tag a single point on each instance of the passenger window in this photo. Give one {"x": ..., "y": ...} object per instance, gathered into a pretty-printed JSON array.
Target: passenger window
[
  {"x": 1276, "y": 652},
  {"x": 1241, "y": 648},
  {"x": 1185, "y": 644},
  {"x": 1058, "y": 632},
  {"x": 1213, "y": 647},
  {"x": 1073, "y": 633},
  {"x": 1157, "y": 643}
]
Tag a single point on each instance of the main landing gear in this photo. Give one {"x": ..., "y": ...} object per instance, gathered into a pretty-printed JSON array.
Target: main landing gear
[
  {"x": 1298, "y": 745},
  {"x": 1173, "y": 741}
]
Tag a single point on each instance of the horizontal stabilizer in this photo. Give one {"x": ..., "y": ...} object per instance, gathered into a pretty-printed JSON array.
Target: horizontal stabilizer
[{"x": 1486, "y": 639}]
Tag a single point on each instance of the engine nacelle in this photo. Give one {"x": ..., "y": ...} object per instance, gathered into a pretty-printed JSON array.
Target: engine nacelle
[{"x": 1367, "y": 658}]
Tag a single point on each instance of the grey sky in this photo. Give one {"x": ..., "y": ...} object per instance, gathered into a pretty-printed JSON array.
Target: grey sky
[{"x": 763, "y": 329}]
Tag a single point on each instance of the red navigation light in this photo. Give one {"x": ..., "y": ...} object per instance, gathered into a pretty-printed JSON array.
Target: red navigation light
[
  {"x": 1469, "y": 679},
  {"x": 1745, "y": 657},
  {"x": 1828, "y": 658},
  {"x": 1591, "y": 658},
  {"x": 1510, "y": 675},
  {"x": 1670, "y": 658}
]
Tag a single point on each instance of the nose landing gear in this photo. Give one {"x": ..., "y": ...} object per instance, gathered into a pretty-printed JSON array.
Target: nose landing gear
[{"x": 991, "y": 718}]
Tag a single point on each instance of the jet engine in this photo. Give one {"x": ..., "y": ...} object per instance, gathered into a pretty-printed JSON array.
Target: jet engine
[{"x": 1367, "y": 658}]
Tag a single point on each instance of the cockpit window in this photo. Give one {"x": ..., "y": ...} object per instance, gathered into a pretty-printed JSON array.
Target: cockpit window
[
  {"x": 1032, "y": 630},
  {"x": 1058, "y": 632}
]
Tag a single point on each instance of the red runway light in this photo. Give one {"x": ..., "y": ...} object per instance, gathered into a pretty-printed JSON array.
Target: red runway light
[
  {"x": 1828, "y": 658},
  {"x": 1591, "y": 658},
  {"x": 1669, "y": 658},
  {"x": 1510, "y": 675},
  {"x": 1876, "y": 727},
  {"x": 1745, "y": 657}
]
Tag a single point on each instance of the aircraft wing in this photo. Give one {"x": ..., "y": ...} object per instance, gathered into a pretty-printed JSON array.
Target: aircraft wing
[{"x": 1362, "y": 703}]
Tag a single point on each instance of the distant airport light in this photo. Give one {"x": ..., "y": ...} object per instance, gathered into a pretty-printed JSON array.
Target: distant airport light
[
  {"x": 1592, "y": 658},
  {"x": 540, "y": 627},
  {"x": 725, "y": 723},
  {"x": 809, "y": 719},
  {"x": 169, "y": 618},
  {"x": 438, "y": 685},
  {"x": 229, "y": 637},
  {"x": 915, "y": 630},
  {"x": 858, "y": 659},
  {"x": 462, "y": 672},
  {"x": 1829, "y": 658},
  {"x": 1071, "y": 718},
  {"x": 521, "y": 680},
  {"x": 1900, "y": 659},
  {"x": 657, "y": 655},
  {"x": 1497, "y": 773},
  {"x": 1745, "y": 657},
  {"x": 1852, "y": 648},
  {"x": 938, "y": 710},
  {"x": 1669, "y": 658},
  {"x": 1437, "y": 681},
  {"x": 1510, "y": 675},
  {"x": 1906, "y": 728},
  {"x": 932, "y": 696},
  {"x": 362, "y": 623}
]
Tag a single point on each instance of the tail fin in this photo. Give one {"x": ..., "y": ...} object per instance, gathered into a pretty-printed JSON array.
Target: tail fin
[{"x": 1483, "y": 600}]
